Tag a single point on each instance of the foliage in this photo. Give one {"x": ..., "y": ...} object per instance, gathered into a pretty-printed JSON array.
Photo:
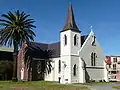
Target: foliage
[
  {"x": 5, "y": 66},
  {"x": 16, "y": 28},
  {"x": 6, "y": 69}
]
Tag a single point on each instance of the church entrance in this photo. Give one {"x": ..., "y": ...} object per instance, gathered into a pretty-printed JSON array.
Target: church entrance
[{"x": 38, "y": 68}]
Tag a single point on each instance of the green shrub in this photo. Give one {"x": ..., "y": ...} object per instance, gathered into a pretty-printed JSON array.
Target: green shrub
[{"x": 6, "y": 68}]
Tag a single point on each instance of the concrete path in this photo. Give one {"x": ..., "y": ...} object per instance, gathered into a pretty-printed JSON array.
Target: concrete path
[{"x": 103, "y": 86}]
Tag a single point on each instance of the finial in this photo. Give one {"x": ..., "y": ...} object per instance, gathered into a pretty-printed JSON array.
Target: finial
[
  {"x": 70, "y": 2},
  {"x": 91, "y": 28}
]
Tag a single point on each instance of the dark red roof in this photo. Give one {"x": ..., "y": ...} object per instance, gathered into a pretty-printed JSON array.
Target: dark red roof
[{"x": 108, "y": 60}]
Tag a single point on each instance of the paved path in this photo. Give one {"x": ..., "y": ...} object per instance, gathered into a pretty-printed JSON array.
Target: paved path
[{"x": 103, "y": 86}]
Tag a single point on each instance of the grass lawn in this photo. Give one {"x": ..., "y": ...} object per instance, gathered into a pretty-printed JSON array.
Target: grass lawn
[
  {"x": 94, "y": 83},
  {"x": 38, "y": 85},
  {"x": 116, "y": 87},
  {"x": 97, "y": 83}
]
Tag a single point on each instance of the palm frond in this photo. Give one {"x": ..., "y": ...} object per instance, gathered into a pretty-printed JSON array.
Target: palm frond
[{"x": 17, "y": 28}]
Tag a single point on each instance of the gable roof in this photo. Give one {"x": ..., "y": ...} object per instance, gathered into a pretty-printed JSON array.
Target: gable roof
[
  {"x": 56, "y": 49},
  {"x": 36, "y": 50}
]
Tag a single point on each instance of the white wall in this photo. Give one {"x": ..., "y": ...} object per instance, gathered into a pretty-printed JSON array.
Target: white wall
[
  {"x": 54, "y": 75},
  {"x": 69, "y": 56},
  {"x": 94, "y": 72},
  {"x": 75, "y": 60},
  {"x": 75, "y": 48},
  {"x": 66, "y": 69},
  {"x": 81, "y": 71},
  {"x": 65, "y": 49},
  {"x": 70, "y": 49}
]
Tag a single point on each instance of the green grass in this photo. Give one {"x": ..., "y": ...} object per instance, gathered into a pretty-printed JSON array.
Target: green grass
[
  {"x": 116, "y": 87},
  {"x": 94, "y": 83},
  {"x": 38, "y": 85}
]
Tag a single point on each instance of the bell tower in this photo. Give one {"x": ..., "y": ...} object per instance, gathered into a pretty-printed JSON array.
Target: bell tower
[{"x": 70, "y": 45}]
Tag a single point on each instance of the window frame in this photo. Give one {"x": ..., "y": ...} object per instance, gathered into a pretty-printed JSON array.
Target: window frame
[
  {"x": 114, "y": 66},
  {"x": 93, "y": 59},
  {"x": 75, "y": 40},
  {"x": 115, "y": 59},
  {"x": 93, "y": 41},
  {"x": 65, "y": 39},
  {"x": 59, "y": 66},
  {"x": 74, "y": 70}
]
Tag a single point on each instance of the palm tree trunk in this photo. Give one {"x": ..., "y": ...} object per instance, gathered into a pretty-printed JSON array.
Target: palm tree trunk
[{"x": 15, "y": 53}]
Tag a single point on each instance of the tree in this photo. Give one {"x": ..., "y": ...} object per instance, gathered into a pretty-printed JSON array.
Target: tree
[{"x": 16, "y": 28}]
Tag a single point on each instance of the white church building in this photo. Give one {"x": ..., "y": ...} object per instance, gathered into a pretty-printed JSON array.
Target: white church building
[{"x": 78, "y": 59}]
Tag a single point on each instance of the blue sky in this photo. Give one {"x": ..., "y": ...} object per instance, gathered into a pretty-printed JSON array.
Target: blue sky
[{"x": 50, "y": 17}]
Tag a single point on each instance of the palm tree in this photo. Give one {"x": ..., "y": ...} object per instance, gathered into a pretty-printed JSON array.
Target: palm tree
[{"x": 16, "y": 28}]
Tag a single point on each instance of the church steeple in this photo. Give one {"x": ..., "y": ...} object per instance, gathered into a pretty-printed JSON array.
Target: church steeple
[{"x": 70, "y": 21}]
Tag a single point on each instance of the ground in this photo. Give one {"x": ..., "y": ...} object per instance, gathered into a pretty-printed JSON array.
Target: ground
[
  {"x": 43, "y": 85},
  {"x": 38, "y": 85},
  {"x": 104, "y": 86}
]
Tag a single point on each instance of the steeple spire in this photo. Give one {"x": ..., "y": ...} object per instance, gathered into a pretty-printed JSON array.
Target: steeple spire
[{"x": 70, "y": 21}]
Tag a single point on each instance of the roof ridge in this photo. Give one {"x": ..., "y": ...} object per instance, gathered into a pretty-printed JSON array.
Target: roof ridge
[{"x": 45, "y": 43}]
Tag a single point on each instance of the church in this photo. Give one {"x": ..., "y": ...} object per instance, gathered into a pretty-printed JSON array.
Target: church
[{"x": 76, "y": 59}]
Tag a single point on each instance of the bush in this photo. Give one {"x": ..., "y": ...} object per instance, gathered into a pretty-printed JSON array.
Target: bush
[
  {"x": 6, "y": 68},
  {"x": 91, "y": 81},
  {"x": 100, "y": 80},
  {"x": 104, "y": 81}
]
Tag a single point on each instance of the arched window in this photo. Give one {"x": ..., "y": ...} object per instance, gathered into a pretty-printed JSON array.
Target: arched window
[
  {"x": 74, "y": 70},
  {"x": 93, "y": 59},
  {"x": 65, "y": 40},
  {"x": 92, "y": 56},
  {"x": 75, "y": 39},
  {"x": 93, "y": 41},
  {"x": 59, "y": 66}
]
